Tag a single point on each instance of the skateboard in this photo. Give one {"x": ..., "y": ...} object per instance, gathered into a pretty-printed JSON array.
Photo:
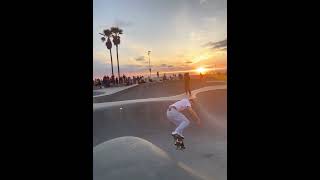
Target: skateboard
[{"x": 178, "y": 142}]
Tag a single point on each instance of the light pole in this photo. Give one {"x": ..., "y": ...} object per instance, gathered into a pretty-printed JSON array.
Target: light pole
[{"x": 149, "y": 63}]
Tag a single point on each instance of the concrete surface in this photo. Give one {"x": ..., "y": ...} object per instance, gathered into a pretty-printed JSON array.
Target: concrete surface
[
  {"x": 136, "y": 159},
  {"x": 111, "y": 90},
  {"x": 154, "y": 90},
  {"x": 204, "y": 158}
]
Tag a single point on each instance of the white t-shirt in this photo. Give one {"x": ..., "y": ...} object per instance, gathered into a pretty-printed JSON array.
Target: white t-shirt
[{"x": 182, "y": 104}]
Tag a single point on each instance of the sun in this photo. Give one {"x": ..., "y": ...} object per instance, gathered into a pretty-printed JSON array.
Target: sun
[{"x": 201, "y": 70}]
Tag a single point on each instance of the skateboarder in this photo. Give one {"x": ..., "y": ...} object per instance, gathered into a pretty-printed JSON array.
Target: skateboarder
[{"x": 175, "y": 116}]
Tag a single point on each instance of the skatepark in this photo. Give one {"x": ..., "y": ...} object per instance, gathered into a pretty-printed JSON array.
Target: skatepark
[
  {"x": 145, "y": 56},
  {"x": 132, "y": 136}
]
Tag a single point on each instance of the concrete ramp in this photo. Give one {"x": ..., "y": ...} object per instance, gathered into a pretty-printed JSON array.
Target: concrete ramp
[{"x": 135, "y": 159}]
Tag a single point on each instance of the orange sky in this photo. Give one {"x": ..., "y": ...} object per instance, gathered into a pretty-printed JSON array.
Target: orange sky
[{"x": 181, "y": 35}]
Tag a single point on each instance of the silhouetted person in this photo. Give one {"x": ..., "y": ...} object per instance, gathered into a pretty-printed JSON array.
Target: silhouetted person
[
  {"x": 108, "y": 81},
  {"x": 164, "y": 77},
  {"x": 104, "y": 81},
  {"x": 117, "y": 81},
  {"x": 99, "y": 83},
  {"x": 187, "y": 84},
  {"x": 128, "y": 81},
  {"x": 112, "y": 80}
]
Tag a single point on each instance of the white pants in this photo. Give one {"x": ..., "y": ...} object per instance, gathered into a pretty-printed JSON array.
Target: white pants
[{"x": 178, "y": 119}]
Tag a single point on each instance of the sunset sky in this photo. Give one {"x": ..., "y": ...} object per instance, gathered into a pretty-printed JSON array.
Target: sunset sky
[{"x": 182, "y": 35}]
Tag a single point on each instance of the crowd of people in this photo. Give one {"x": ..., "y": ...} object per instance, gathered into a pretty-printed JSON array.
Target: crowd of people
[
  {"x": 111, "y": 81},
  {"x": 173, "y": 77}
]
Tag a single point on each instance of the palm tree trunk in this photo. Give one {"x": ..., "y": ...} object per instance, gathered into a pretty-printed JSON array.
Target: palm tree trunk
[
  {"x": 111, "y": 61},
  {"x": 118, "y": 62}
]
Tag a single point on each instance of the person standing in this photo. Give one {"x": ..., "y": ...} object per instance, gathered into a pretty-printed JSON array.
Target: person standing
[
  {"x": 104, "y": 81},
  {"x": 187, "y": 84},
  {"x": 112, "y": 80},
  {"x": 108, "y": 81}
]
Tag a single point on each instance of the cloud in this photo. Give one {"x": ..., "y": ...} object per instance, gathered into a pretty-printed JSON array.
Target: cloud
[
  {"x": 122, "y": 23},
  {"x": 188, "y": 62},
  {"x": 100, "y": 69},
  {"x": 140, "y": 58},
  {"x": 208, "y": 66},
  {"x": 164, "y": 66},
  {"x": 220, "y": 45}
]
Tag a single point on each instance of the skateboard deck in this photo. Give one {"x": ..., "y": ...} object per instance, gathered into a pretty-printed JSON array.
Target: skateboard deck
[{"x": 178, "y": 142}]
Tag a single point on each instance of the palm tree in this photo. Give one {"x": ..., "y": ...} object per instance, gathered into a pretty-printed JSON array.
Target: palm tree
[
  {"x": 116, "y": 41},
  {"x": 107, "y": 33}
]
